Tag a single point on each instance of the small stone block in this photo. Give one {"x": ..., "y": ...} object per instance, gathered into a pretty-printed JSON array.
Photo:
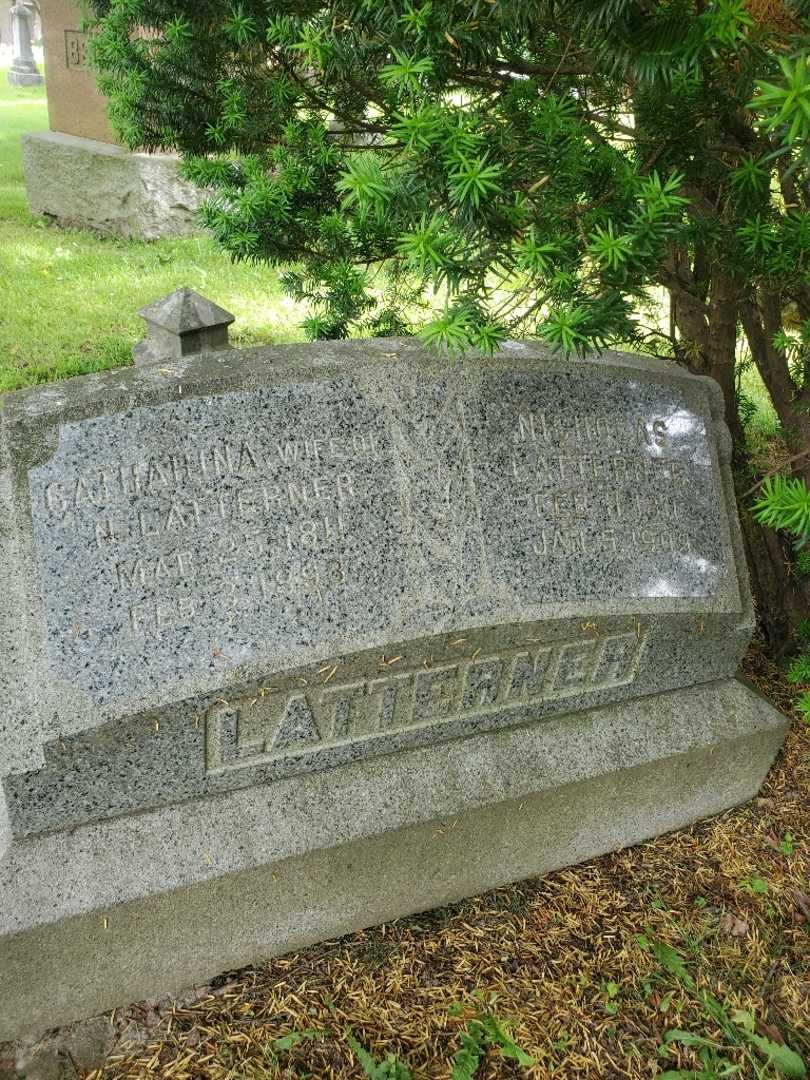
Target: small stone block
[
  {"x": 184, "y": 311},
  {"x": 182, "y": 324},
  {"x": 80, "y": 182}
]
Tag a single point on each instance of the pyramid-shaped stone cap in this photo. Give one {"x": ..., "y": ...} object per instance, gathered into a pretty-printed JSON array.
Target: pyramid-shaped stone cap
[{"x": 185, "y": 311}]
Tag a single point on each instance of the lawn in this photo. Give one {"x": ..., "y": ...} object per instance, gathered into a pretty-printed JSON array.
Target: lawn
[{"x": 70, "y": 297}]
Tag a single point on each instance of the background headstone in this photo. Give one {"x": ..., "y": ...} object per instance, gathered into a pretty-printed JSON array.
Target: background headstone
[
  {"x": 77, "y": 173},
  {"x": 296, "y": 640},
  {"x": 23, "y": 70},
  {"x": 75, "y": 107}
]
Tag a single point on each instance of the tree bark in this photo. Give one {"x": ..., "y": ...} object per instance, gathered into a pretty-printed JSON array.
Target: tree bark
[
  {"x": 780, "y": 599},
  {"x": 761, "y": 316},
  {"x": 710, "y": 328},
  {"x": 709, "y": 331},
  {"x": 724, "y": 298}
]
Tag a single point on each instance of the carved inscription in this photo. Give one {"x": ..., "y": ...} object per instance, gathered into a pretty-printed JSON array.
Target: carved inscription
[
  {"x": 277, "y": 515},
  {"x": 262, "y": 728},
  {"x": 293, "y": 521},
  {"x": 599, "y": 490},
  {"x": 280, "y": 508},
  {"x": 589, "y": 501},
  {"x": 75, "y": 49},
  {"x": 199, "y": 535}
]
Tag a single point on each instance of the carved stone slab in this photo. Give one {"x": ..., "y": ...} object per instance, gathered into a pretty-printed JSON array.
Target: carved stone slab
[
  {"x": 297, "y": 640},
  {"x": 233, "y": 570}
]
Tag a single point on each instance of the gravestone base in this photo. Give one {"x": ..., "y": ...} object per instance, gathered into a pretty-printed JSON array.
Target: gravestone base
[
  {"x": 83, "y": 183},
  {"x": 24, "y": 77},
  {"x": 142, "y": 905}
]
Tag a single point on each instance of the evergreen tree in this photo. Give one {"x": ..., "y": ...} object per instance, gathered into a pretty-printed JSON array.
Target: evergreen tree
[{"x": 502, "y": 168}]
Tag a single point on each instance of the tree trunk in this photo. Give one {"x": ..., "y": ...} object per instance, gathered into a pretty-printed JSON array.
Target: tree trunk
[
  {"x": 761, "y": 316},
  {"x": 722, "y": 349},
  {"x": 710, "y": 331},
  {"x": 780, "y": 599}
]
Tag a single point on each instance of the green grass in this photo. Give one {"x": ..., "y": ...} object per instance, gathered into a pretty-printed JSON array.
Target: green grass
[
  {"x": 764, "y": 422},
  {"x": 22, "y": 108},
  {"x": 70, "y": 297}
]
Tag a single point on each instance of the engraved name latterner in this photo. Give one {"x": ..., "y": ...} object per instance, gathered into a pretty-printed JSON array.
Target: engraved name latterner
[{"x": 439, "y": 701}]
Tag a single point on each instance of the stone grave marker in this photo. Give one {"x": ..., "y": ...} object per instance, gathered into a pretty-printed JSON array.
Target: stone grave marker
[
  {"x": 75, "y": 106},
  {"x": 77, "y": 173},
  {"x": 23, "y": 70},
  {"x": 296, "y": 640}
]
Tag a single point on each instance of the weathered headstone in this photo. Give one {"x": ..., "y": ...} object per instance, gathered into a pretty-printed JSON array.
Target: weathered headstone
[
  {"x": 77, "y": 173},
  {"x": 298, "y": 640},
  {"x": 23, "y": 70}
]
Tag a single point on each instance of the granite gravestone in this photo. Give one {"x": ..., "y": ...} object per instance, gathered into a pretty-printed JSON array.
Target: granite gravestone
[
  {"x": 272, "y": 619},
  {"x": 23, "y": 70},
  {"x": 77, "y": 173},
  {"x": 75, "y": 106}
]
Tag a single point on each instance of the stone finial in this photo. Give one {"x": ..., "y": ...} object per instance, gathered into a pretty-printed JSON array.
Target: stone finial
[
  {"x": 23, "y": 70},
  {"x": 182, "y": 324}
]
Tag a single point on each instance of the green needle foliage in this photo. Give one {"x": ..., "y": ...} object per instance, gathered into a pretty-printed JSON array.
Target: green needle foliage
[
  {"x": 799, "y": 670},
  {"x": 784, "y": 503},
  {"x": 487, "y": 168}
]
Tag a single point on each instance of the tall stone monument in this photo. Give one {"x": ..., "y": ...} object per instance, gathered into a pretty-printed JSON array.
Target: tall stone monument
[
  {"x": 297, "y": 640},
  {"x": 77, "y": 173},
  {"x": 23, "y": 70}
]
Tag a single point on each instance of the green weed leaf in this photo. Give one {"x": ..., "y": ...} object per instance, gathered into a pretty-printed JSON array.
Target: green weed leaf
[
  {"x": 468, "y": 1058},
  {"x": 783, "y": 1059},
  {"x": 754, "y": 885},
  {"x": 672, "y": 961},
  {"x": 685, "y": 1074},
  {"x": 500, "y": 1037},
  {"x": 287, "y": 1042},
  {"x": 686, "y": 1038},
  {"x": 390, "y": 1069}
]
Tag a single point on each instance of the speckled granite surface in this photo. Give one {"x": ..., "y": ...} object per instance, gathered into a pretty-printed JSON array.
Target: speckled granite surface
[
  {"x": 133, "y": 907},
  {"x": 249, "y": 569},
  {"x": 247, "y": 565}
]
